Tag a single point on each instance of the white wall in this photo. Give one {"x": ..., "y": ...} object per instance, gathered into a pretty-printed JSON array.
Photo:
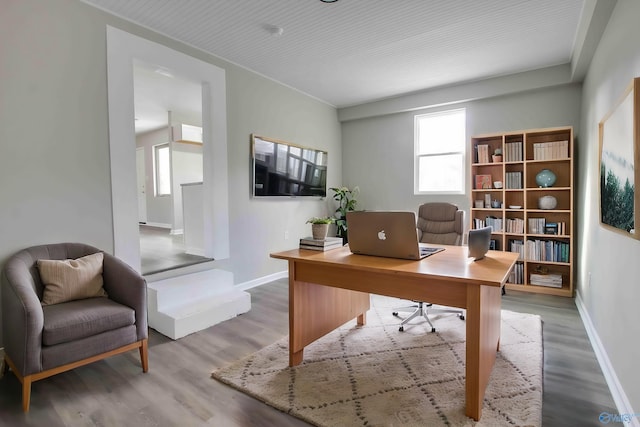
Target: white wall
[
  {"x": 55, "y": 184},
  {"x": 186, "y": 167},
  {"x": 158, "y": 208},
  {"x": 608, "y": 267}
]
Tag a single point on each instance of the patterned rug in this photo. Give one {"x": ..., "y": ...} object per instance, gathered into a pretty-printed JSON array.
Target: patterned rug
[{"x": 377, "y": 376}]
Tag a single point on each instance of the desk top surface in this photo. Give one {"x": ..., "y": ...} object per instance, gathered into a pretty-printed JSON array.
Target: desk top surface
[{"x": 452, "y": 263}]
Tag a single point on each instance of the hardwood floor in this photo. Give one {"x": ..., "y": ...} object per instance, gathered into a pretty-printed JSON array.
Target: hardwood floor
[
  {"x": 161, "y": 251},
  {"x": 178, "y": 390}
]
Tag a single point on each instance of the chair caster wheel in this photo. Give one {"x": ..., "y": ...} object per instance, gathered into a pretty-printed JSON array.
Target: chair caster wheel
[
  {"x": 433, "y": 329},
  {"x": 401, "y": 328},
  {"x": 395, "y": 313},
  {"x": 462, "y": 317}
]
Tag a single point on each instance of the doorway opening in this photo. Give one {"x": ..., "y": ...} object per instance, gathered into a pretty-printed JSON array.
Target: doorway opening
[
  {"x": 123, "y": 50},
  {"x": 168, "y": 163}
]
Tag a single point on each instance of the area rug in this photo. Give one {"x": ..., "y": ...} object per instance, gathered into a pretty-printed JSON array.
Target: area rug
[{"x": 375, "y": 375}]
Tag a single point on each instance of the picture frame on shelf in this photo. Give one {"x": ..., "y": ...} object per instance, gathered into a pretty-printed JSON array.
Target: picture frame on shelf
[
  {"x": 619, "y": 160},
  {"x": 483, "y": 182}
]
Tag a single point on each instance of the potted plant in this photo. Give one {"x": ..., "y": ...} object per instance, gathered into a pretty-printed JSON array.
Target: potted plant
[
  {"x": 497, "y": 155},
  {"x": 320, "y": 226},
  {"x": 346, "y": 199}
]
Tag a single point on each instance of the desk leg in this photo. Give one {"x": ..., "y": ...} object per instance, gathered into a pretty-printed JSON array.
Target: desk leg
[
  {"x": 315, "y": 310},
  {"x": 483, "y": 338}
]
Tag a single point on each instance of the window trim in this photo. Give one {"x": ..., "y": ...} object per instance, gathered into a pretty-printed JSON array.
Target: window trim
[
  {"x": 156, "y": 170},
  {"x": 417, "y": 156}
]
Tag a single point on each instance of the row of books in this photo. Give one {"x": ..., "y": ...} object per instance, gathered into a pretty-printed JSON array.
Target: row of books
[
  {"x": 320, "y": 245},
  {"x": 483, "y": 153},
  {"x": 551, "y": 150},
  {"x": 536, "y": 225},
  {"x": 490, "y": 221},
  {"x": 518, "y": 247},
  {"x": 517, "y": 274},
  {"x": 513, "y": 152},
  {"x": 550, "y": 280},
  {"x": 514, "y": 225},
  {"x": 540, "y": 226},
  {"x": 547, "y": 250},
  {"x": 556, "y": 228},
  {"x": 513, "y": 180}
]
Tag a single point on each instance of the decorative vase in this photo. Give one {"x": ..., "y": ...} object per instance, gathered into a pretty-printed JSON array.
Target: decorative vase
[
  {"x": 497, "y": 158},
  {"x": 547, "y": 202},
  {"x": 319, "y": 231},
  {"x": 545, "y": 178}
]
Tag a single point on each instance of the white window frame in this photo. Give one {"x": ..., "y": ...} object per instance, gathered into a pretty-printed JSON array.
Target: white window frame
[
  {"x": 157, "y": 171},
  {"x": 461, "y": 152}
]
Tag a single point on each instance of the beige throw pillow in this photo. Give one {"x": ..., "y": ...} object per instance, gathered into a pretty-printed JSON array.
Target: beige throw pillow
[{"x": 71, "y": 279}]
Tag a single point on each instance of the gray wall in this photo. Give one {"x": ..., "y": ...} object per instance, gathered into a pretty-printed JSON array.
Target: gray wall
[
  {"x": 378, "y": 151},
  {"x": 54, "y": 163},
  {"x": 608, "y": 267}
]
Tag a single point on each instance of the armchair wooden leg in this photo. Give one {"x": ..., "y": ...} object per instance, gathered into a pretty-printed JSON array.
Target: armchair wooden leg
[
  {"x": 144, "y": 355},
  {"x": 26, "y": 393}
]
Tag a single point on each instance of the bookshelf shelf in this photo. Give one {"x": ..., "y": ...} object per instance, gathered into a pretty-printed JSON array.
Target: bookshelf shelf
[{"x": 544, "y": 237}]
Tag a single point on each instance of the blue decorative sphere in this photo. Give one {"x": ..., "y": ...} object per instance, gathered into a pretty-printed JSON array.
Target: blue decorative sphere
[{"x": 545, "y": 178}]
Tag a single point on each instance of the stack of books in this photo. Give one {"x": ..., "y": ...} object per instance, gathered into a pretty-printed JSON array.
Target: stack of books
[
  {"x": 550, "y": 280},
  {"x": 320, "y": 245}
]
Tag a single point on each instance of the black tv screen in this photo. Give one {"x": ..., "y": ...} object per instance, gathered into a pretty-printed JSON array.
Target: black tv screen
[{"x": 284, "y": 169}]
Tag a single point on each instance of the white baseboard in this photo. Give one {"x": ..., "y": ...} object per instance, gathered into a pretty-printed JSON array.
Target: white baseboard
[
  {"x": 262, "y": 280},
  {"x": 625, "y": 411}
]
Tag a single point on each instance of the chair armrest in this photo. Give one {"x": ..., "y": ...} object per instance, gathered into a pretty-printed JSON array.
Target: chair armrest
[
  {"x": 22, "y": 318},
  {"x": 126, "y": 286}
]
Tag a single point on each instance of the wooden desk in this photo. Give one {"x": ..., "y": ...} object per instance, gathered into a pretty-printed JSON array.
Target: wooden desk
[{"x": 327, "y": 289}]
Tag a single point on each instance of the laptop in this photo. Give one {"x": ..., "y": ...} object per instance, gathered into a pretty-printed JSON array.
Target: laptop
[{"x": 390, "y": 234}]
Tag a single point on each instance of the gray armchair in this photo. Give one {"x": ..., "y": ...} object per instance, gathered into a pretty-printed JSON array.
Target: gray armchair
[
  {"x": 440, "y": 224},
  {"x": 44, "y": 340}
]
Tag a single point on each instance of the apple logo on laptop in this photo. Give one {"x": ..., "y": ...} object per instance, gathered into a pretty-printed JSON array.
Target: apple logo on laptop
[{"x": 382, "y": 235}]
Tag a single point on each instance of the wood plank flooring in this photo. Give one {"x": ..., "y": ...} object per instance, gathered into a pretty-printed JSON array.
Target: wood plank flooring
[{"x": 178, "y": 390}]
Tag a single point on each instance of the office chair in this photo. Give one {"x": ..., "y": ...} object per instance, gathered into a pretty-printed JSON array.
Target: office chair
[{"x": 440, "y": 224}]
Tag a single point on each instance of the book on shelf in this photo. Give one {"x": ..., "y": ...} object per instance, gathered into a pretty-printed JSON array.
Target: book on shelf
[
  {"x": 518, "y": 247},
  {"x": 551, "y": 150},
  {"x": 547, "y": 250},
  {"x": 320, "y": 245},
  {"x": 483, "y": 153},
  {"x": 517, "y": 274},
  {"x": 514, "y": 180},
  {"x": 483, "y": 182},
  {"x": 513, "y": 151},
  {"x": 536, "y": 225},
  {"x": 550, "y": 280},
  {"x": 514, "y": 225}
]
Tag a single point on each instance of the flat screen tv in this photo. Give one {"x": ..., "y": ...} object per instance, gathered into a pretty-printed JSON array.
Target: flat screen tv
[{"x": 282, "y": 169}]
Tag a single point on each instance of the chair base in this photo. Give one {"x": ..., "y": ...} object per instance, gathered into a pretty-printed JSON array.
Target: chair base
[
  {"x": 26, "y": 380},
  {"x": 421, "y": 309}
]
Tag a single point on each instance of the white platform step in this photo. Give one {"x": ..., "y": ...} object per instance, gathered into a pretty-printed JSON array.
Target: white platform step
[{"x": 179, "y": 306}]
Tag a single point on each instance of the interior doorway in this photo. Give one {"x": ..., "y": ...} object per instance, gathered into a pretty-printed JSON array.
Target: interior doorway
[
  {"x": 122, "y": 50},
  {"x": 165, "y": 104}
]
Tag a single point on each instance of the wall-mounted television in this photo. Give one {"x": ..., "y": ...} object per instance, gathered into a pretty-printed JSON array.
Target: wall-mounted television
[{"x": 282, "y": 169}]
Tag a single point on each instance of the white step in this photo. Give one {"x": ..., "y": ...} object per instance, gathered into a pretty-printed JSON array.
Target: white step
[{"x": 179, "y": 306}]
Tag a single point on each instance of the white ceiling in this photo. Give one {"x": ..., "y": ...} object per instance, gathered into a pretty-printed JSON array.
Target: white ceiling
[{"x": 355, "y": 51}]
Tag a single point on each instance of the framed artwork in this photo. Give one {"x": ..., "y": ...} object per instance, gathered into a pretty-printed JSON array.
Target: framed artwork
[
  {"x": 483, "y": 181},
  {"x": 620, "y": 163}
]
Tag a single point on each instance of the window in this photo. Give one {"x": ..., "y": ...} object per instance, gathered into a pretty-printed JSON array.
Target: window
[
  {"x": 439, "y": 147},
  {"x": 162, "y": 170}
]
